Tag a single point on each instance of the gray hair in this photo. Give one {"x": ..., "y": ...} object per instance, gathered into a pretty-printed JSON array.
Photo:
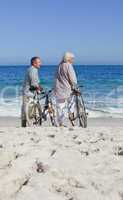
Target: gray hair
[{"x": 67, "y": 56}]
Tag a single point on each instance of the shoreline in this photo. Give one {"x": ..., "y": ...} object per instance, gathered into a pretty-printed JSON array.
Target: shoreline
[{"x": 92, "y": 122}]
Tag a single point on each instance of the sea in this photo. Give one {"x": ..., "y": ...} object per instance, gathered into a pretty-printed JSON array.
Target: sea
[{"x": 102, "y": 88}]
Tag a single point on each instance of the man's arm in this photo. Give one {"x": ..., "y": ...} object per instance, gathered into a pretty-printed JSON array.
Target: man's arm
[{"x": 34, "y": 79}]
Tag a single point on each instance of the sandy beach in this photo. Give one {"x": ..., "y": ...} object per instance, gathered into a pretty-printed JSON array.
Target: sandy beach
[
  {"x": 61, "y": 163},
  {"x": 60, "y": 62}
]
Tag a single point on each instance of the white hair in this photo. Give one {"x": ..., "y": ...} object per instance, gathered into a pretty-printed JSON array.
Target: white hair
[{"x": 67, "y": 56}]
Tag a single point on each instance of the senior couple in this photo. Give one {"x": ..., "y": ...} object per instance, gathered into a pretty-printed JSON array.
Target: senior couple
[{"x": 65, "y": 81}]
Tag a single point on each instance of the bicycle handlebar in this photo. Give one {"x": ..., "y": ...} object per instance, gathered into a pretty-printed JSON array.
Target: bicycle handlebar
[
  {"x": 76, "y": 89},
  {"x": 42, "y": 95}
]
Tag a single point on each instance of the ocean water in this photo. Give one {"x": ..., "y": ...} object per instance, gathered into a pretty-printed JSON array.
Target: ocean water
[{"x": 102, "y": 91}]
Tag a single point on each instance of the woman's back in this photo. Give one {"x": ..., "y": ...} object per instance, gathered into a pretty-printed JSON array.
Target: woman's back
[{"x": 64, "y": 79}]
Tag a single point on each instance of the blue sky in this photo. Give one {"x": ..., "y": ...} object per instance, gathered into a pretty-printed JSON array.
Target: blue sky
[{"x": 92, "y": 29}]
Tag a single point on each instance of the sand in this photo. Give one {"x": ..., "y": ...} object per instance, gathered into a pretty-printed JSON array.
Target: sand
[{"x": 61, "y": 163}]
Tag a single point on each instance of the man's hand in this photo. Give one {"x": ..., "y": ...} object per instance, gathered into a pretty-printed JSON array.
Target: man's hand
[
  {"x": 75, "y": 87},
  {"x": 39, "y": 89}
]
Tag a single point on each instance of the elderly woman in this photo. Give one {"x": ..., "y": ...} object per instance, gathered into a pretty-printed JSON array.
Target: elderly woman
[{"x": 65, "y": 80}]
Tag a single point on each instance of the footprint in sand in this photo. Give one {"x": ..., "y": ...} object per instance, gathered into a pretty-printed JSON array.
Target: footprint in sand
[
  {"x": 41, "y": 168},
  {"x": 53, "y": 152},
  {"x": 78, "y": 142},
  {"x": 75, "y": 136},
  {"x": 2, "y": 132},
  {"x": 118, "y": 151},
  {"x": 51, "y": 136},
  {"x": 86, "y": 153}
]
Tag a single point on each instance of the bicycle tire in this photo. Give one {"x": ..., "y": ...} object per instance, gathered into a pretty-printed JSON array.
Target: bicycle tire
[
  {"x": 32, "y": 118},
  {"x": 82, "y": 113},
  {"x": 51, "y": 112}
]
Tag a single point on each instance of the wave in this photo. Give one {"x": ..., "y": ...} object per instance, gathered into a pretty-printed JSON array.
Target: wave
[
  {"x": 12, "y": 108},
  {"x": 109, "y": 112}
]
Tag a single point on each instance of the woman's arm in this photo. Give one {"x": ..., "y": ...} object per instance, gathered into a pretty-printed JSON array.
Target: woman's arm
[{"x": 72, "y": 75}]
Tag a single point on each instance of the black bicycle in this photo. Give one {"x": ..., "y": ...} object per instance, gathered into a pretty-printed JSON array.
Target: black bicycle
[{"x": 79, "y": 115}]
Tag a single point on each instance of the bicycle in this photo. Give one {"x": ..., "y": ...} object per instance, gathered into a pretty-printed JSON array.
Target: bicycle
[
  {"x": 79, "y": 109},
  {"x": 36, "y": 114},
  {"x": 49, "y": 109}
]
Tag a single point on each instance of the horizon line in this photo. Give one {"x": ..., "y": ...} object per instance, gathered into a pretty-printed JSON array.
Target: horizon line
[{"x": 14, "y": 65}]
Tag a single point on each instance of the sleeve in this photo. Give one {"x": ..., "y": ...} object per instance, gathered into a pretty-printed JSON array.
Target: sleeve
[
  {"x": 34, "y": 78},
  {"x": 72, "y": 75}
]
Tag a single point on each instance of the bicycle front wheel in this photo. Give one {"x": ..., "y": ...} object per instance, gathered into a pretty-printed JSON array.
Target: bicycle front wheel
[
  {"x": 51, "y": 111},
  {"x": 82, "y": 112}
]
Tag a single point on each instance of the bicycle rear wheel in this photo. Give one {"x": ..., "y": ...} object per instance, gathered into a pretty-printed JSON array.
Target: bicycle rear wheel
[{"x": 33, "y": 114}]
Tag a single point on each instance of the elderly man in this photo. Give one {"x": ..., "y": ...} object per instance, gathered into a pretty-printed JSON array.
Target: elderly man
[
  {"x": 31, "y": 84},
  {"x": 65, "y": 81}
]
